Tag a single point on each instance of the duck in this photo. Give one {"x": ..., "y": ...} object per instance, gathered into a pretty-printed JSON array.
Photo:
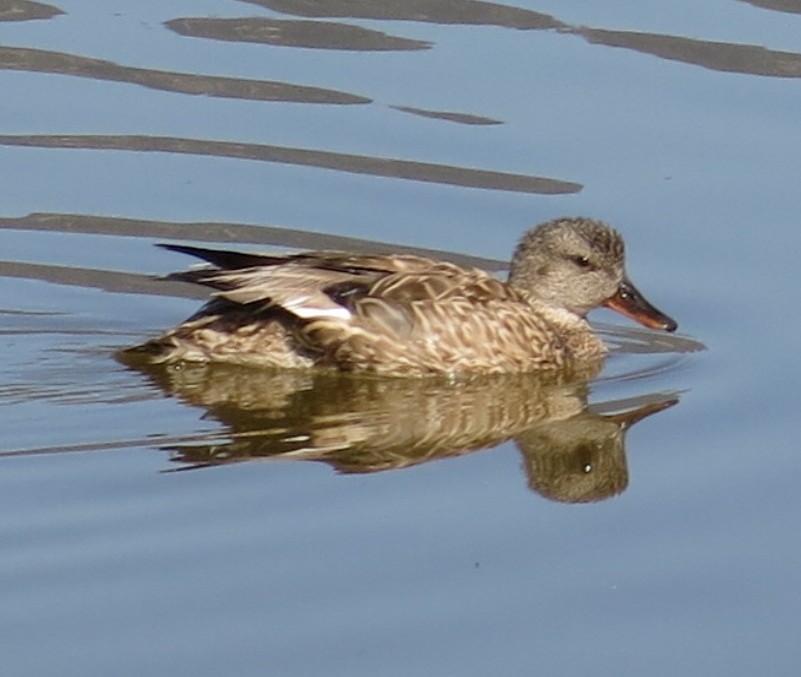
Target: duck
[{"x": 405, "y": 315}]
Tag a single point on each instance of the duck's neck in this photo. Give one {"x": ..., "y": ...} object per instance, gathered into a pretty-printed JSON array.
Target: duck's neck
[{"x": 574, "y": 330}]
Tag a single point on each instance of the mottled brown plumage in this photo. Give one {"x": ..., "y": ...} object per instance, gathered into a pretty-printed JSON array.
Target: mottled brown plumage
[{"x": 408, "y": 315}]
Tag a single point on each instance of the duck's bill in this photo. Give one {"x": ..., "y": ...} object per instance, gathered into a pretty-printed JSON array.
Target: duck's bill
[{"x": 629, "y": 302}]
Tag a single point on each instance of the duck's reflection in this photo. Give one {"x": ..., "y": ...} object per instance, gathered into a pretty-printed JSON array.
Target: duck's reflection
[
  {"x": 364, "y": 424},
  {"x": 583, "y": 459}
]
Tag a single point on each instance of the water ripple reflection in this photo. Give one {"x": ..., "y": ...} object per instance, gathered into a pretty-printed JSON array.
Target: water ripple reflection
[
  {"x": 471, "y": 12},
  {"x": 309, "y": 34},
  {"x": 24, "y": 10},
  {"x": 43, "y": 61},
  {"x": 342, "y": 162}
]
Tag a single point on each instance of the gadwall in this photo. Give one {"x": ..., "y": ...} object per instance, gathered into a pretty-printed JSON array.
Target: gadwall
[{"x": 407, "y": 315}]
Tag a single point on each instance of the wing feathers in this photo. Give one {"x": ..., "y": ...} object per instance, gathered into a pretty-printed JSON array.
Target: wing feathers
[{"x": 381, "y": 290}]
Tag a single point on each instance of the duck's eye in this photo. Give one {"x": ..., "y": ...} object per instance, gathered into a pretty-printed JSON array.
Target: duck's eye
[{"x": 581, "y": 261}]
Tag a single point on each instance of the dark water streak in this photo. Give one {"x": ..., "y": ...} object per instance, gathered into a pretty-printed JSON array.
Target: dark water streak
[
  {"x": 24, "y": 10},
  {"x": 239, "y": 233},
  {"x": 43, "y": 61},
  {"x": 717, "y": 56},
  {"x": 342, "y": 162},
  {"x": 308, "y": 34},
  {"x": 789, "y": 6},
  {"x": 450, "y": 116},
  {"x": 453, "y": 12}
]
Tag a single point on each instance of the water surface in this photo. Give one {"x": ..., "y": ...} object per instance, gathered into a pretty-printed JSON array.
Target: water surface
[{"x": 205, "y": 521}]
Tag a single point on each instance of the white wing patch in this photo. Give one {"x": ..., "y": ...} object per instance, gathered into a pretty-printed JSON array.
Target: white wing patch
[
  {"x": 290, "y": 287},
  {"x": 304, "y": 308}
]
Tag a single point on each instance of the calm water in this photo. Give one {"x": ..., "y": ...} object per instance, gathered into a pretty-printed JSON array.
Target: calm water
[{"x": 320, "y": 526}]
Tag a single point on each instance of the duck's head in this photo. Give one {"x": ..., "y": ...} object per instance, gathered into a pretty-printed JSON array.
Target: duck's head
[{"x": 578, "y": 264}]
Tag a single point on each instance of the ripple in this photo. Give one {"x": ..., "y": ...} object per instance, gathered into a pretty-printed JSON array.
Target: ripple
[
  {"x": 717, "y": 56},
  {"x": 24, "y": 10},
  {"x": 409, "y": 170},
  {"x": 308, "y": 34},
  {"x": 449, "y": 116},
  {"x": 470, "y": 12},
  {"x": 42, "y": 61}
]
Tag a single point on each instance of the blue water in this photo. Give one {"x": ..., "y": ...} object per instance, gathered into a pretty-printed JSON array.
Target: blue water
[{"x": 114, "y": 562}]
